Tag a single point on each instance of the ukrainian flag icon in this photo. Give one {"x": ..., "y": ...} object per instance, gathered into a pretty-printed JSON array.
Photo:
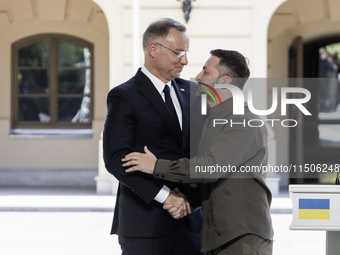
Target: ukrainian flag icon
[{"x": 314, "y": 209}]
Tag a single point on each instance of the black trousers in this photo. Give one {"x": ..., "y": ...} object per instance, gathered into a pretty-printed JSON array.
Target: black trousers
[{"x": 181, "y": 242}]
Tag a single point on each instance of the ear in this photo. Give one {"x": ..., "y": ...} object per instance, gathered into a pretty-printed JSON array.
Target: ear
[
  {"x": 152, "y": 48},
  {"x": 226, "y": 79}
]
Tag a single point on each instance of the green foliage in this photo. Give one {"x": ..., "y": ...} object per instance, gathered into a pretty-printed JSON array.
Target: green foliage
[
  {"x": 36, "y": 54},
  {"x": 333, "y": 49},
  {"x": 70, "y": 54}
]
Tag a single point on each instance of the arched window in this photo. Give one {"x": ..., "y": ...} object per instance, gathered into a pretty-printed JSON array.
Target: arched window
[{"x": 52, "y": 82}]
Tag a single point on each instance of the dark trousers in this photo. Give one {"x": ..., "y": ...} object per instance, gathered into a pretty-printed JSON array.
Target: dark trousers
[{"x": 181, "y": 241}]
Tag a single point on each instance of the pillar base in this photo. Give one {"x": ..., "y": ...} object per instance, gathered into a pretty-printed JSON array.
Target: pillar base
[{"x": 106, "y": 185}]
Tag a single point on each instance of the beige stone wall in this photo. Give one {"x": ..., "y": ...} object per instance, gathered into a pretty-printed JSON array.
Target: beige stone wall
[
  {"x": 240, "y": 25},
  {"x": 213, "y": 24},
  {"x": 80, "y": 18}
]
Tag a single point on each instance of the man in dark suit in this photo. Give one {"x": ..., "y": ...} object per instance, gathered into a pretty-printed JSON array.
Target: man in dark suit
[
  {"x": 235, "y": 204},
  {"x": 152, "y": 108}
]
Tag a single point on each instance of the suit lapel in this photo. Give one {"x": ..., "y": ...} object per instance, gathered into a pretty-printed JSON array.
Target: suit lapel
[{"x": 150, "y": 92}]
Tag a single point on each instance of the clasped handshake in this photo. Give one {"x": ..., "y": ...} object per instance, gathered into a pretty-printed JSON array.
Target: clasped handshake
[{"x": 176, "y": 203}]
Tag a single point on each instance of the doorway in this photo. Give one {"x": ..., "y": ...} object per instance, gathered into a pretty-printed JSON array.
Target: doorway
[{"x": 318, "y": 62}]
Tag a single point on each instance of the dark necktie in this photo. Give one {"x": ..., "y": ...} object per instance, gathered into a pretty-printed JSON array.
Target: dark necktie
[{"x": 170, "y": 105}]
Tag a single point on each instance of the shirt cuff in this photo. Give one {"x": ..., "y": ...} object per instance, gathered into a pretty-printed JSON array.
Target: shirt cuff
[{"x": 162, "y": 194}]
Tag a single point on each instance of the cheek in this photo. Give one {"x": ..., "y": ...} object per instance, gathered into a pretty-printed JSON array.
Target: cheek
[
  {"x": 163, "y": 63},
  {"x": 208, "y": 79},
  {"x": 167, "y": 63}
]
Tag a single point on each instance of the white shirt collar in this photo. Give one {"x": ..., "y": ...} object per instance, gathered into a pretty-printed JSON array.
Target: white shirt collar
[
  {"x": 159, "y": 85},
  {"x": 156, "y": 82}
]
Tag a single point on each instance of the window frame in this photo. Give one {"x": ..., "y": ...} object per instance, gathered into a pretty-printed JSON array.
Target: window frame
[{"x": 53, "y": 69}]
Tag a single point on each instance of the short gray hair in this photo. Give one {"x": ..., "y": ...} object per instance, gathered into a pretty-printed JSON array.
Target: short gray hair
[{"x": 160, "y": 29}]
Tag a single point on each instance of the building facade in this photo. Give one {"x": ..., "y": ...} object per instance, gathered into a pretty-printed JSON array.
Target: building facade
[{"x": 61, "y": 57}]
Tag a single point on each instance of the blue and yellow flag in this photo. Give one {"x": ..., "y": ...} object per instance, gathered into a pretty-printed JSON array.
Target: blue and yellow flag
[{"x": 314, "y": 209}]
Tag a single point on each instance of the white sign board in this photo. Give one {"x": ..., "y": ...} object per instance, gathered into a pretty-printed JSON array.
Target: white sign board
[{"x": 315, "y": 207}]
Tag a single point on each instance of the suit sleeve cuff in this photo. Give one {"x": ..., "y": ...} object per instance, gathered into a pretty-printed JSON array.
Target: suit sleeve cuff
[{"x": 162, "y": 194}]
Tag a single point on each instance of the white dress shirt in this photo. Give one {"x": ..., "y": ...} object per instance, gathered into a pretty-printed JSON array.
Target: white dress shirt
[{"x": 159, "y": 85}]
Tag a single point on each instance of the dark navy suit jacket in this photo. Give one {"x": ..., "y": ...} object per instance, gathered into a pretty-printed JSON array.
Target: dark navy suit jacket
[{"x": 137, "y": 116}]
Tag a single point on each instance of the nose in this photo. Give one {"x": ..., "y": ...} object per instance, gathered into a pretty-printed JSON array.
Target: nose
[
  {"x": 184, "y": 59},
  {"x": 199, "y": 76}
]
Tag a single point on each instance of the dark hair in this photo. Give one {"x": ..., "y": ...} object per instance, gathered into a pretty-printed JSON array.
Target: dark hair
[
  {"x": 159, "y": 29},
  {"x": 234, "y": 64}
]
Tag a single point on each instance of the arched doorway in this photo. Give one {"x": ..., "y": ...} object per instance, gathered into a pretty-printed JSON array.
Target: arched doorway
[
  {"x": 320, "y": 142},
  {"x": 297, "y": 32}
]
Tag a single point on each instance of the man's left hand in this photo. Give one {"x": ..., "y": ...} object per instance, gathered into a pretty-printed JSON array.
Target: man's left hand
[{"x": 144, "y": 162}]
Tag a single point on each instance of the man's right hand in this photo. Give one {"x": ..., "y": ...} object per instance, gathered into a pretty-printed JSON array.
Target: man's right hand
[{"x": 176, "y": 204}]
